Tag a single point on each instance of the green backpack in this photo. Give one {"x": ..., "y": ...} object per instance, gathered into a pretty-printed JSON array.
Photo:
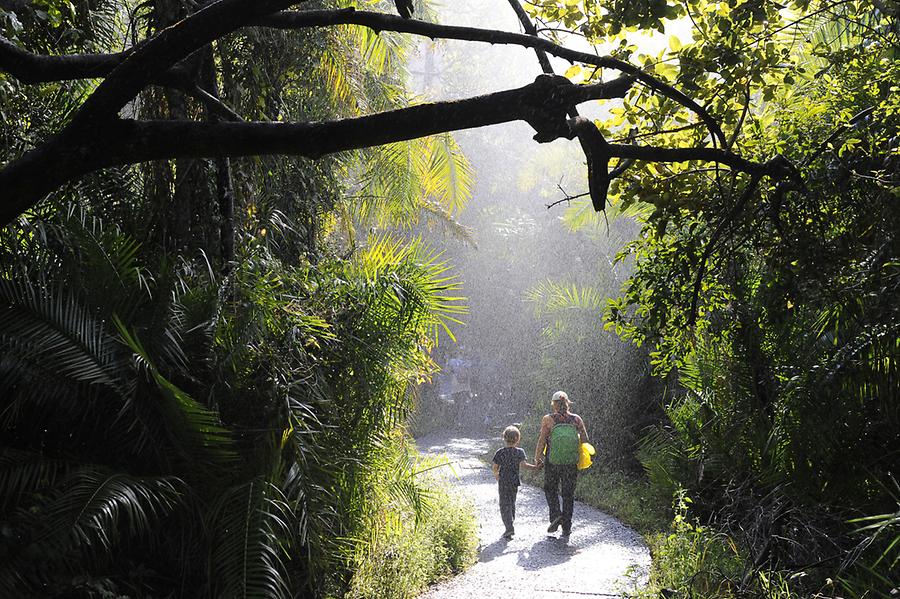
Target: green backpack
[{"x": 565, "y": 444}]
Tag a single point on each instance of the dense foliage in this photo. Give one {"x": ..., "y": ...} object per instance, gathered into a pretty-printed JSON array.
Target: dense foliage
[
  {"x": 769, "y": 308},
  {"x": 204, "y": 371},
  {"x": 202, "y": 364}
]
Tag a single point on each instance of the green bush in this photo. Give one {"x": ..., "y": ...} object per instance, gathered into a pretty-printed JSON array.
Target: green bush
[
  {"x": 404, "y": 557},
  {"x": 694, "y": 558},
  {"x": 452, "y": 531}
]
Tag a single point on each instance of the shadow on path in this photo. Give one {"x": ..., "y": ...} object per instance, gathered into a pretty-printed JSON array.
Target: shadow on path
[{"x": 548, "y": 552}]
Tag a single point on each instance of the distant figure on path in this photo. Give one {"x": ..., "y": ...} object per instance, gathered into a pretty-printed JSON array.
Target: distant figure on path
[
  {"x": 506, "y": 464},
  {"x": 558, "y": 448}
]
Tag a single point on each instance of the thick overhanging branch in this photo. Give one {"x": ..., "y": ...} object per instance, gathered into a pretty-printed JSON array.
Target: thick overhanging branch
[
  {"x": 148, "y": 61},
  {"x": 383, "y": 22},
  {"x": 129, "y": 72},
  {"x": 543, "y": 104},
  {"x": 95, "y": 138},
  {"x": 28, "y": 67}
]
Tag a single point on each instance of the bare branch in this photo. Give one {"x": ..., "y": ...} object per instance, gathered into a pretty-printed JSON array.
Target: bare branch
[
  {"x": 149, "y": 60},
  {"x": 543, "y": 104},
  {"x": 382, "y": 22},
  {"x": 36, "y": 68},
  {"x": 566, "y": 197},
  {"x": 529, "y": 28}
]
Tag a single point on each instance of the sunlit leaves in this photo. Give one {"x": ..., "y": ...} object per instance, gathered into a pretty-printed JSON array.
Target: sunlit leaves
[
  {"x": 432, "y": 290},
  {"x": 549, "y": 297},
  {"x": 427, "y": 177}
]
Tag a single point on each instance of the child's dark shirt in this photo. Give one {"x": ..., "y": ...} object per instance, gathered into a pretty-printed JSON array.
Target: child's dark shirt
[{"x": 508, "y": 458}]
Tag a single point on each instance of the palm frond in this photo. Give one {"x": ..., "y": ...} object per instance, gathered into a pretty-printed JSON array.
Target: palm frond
[
  {"x": 437, "y": 214},
  {"x": 429, "y": 285},
  {"x": 52, "y": 331},
  {"x": 449, "y": 177},
  {"x": 95, "y": 507},
  {"x": 87, "y": 516},
  {"x": 24, "y": 472},
  {"x": 198, "y": 428},
  {"x": 253, "y": 525},
  {"x": 551, "y": 297}
]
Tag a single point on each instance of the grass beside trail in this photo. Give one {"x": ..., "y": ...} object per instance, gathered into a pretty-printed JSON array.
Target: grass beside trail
[{"x": 404, "y": 557}]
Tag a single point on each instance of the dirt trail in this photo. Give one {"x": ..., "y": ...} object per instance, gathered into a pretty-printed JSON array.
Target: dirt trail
[{"x": 603, "y": 557}]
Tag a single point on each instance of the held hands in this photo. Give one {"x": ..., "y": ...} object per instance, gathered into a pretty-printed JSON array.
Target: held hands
[{"x": 536, "y": 466}]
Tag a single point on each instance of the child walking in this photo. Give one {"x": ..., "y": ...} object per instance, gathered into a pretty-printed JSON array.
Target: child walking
[{"x": 506, "y": 470}]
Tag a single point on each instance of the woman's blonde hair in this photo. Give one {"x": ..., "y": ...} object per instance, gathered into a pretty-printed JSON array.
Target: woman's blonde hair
[{"x": 562, "y": 399}]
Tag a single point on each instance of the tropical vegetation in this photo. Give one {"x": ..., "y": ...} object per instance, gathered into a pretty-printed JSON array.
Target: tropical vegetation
[
  {"x": 205, "y": 367},
  {"x": 767, "y": 309},
  {"x": 212, "y": 310}
]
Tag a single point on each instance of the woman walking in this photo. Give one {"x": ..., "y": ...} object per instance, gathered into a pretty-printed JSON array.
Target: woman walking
[{"x": 558, "y": 446}]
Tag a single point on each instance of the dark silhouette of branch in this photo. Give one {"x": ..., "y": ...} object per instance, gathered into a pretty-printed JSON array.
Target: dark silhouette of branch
[
  {"x": 596, "y": 150},
  {"x": 566, "y": 197},
  {"x": 530, "y": 29},
  {"x": 95, "y": 138},
  {"x": 148, "y": 60},
  {"x": 543, "y": 104},
  {"x": 404, "y": 8},
  {"x": 382, "y": 22},
  {"x": 28, "y": 67}
]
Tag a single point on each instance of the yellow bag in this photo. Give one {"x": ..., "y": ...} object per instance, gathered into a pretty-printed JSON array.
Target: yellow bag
[{"x": 584, "y": 459}]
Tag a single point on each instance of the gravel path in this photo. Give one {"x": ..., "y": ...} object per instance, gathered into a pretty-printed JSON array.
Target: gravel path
[{"x": 603, "y": 557}]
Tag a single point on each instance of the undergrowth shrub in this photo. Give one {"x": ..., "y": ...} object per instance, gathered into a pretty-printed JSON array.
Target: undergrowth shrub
[
  {"x": 404, "y": 556},
  {"x": 694, "y": 558},
  {"x": 452, "y": 529}
]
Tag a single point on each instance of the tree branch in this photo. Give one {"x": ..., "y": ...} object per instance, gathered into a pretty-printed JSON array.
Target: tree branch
[
  {"x": 28, "y": 67},
  {"x": 543, "y": 104},
  {"x": 382, "y": 22},
  {"x": 36, "y": 68},
  {"x": 95, "y": 139},
  {"x": 149, "y": 60},
  {"x": 529, "y": 28}
]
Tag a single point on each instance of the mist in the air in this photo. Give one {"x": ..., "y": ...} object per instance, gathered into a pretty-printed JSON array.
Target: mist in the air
[{"x": 518, "y": 345}]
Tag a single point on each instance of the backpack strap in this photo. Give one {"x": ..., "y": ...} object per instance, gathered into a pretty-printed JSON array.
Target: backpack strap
[{"x": 568, "y": 418}]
